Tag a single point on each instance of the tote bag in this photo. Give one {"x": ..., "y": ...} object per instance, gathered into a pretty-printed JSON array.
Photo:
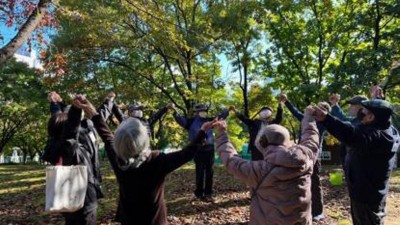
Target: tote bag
[{"x": 65, "y": 188}]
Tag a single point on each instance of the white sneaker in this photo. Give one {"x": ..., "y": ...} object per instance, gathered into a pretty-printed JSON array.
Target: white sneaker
[{"x": 319, "y": 217}]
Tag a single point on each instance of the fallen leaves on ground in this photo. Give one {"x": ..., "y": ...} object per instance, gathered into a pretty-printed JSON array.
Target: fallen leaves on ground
[{"x": 22, "y": 198}]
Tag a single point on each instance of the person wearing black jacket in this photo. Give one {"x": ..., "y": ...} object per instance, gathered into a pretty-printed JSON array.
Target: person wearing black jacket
[
  {"x": 254, "y": 125},
  {"x": 372, "y": 146},
  {"x": 140, "y": 172},
  {"x": 136, "y": 111},
  {"x": 72, "y": 140}
]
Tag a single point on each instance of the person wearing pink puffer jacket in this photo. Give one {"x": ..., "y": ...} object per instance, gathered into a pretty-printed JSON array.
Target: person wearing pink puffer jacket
[{"x": 280, "y": 184}]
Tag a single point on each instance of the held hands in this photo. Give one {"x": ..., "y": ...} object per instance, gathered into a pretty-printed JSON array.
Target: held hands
[
  {"x": 54, "y": 97},
  {"x": 334, "y": 99},
  {"x": 81, "y": 102},
  {"x": 171, "y": 106},
  {"x": 111, "y": 96},
  {"x": 317, "y": 111},
  {"x": 208, "y": 125},
  {"x": 218, "y": 125},
  {"x": 283, "y": 97},
  {"x": 376, "y": 92}
]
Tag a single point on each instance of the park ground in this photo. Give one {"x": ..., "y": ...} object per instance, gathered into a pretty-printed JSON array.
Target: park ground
[{"x": 22, "y": 198}]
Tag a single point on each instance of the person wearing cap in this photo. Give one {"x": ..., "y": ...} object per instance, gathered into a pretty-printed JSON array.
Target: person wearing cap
[
  {"x": 372, "y": 146},
  {"x": 136, "y": 111},
  {"x": 254, "y": 126},
  {"x": 317, "y": 201},
  {"x": 204, "y": 160},
  {"x": 281, "y": 182},
  {"x": 355, "y": 106}
]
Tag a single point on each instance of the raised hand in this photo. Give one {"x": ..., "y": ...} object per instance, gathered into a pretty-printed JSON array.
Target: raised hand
[
  {"x": 171, "y": 106},
  {"x": 220, "y": 126},
  {"x": 82, "y": 103},
  {"x": 376, "y": 92},
  {"x": 309, "y": 110},
  {"x": 208, "y": 125},
  {"x": 283, "y": 97},
  {"x": 111, "y": 96},
  {"x": 334, "y": 99},
  {"x": 320, "y": 113},
  {"x": 54, "y": 97}
]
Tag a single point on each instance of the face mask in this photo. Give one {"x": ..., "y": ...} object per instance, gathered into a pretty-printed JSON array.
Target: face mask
[
  {"x": 137, "y": 113},
  {"x": 264, "y": 114},
  {"x": 353, "y": 112},
  {"x": 203, "y": 114},
  {"x": 360, "y": 115}
]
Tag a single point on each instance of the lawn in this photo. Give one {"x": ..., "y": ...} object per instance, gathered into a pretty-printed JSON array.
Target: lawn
[{"x": 22, "y": 198}]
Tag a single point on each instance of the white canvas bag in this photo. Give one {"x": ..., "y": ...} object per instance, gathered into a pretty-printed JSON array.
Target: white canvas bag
[{"x": 65, "y": 188}]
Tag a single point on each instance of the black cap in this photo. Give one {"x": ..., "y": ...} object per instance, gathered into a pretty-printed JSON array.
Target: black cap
[
  {"x": 135, "y": 107},
  {"x": 381, "y": 109},
  {"x": 356, "y": 100},
  {"x": 200, "y": 107},
  {"x": 266, "y": 107}
]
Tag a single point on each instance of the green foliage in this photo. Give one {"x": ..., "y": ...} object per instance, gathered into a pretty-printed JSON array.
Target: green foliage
[
  {"x": 164, "y": 51},
  {"x": 22, "y": 104}
]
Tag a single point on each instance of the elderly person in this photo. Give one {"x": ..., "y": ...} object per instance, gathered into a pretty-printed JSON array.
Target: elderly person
[
  {"x": 254, "y": 125},
  {"x": 140, "y": 172},
  {"x": 71, "y": 143},
  {"x": 370, "y": 158},
  {"x": 317, "y": 203},
  {"x": 204, "y": 160},
  {"x": 281, "y": 182},
  {"x": 136, "y": 111},
  {"x": 355, "y": 106}
]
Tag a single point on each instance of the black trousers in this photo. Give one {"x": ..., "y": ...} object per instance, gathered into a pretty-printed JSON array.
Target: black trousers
[
  {"x": 317, "y": 203},
  {"x": 368, "y": 214},
  {"x": 80, "y": 217},
  {"x": 204, "y": 160}
]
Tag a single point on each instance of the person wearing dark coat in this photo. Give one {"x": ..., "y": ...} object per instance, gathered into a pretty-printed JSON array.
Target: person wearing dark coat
[
  {"x": 136, "y": 111},
  {"x": 254, "y": 126},
  {"x": 372, "y": 146},
  {"x": 140, "y": 172},
  {"x": 204, "y": 160},
  {"x": 355, "y": 106},
  {"x": 73, "y": 143}
]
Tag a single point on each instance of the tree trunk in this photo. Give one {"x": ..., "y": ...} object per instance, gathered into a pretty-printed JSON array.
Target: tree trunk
[
  {"x": 25, "y": 31},
  {"x": 245, "y": 91}
]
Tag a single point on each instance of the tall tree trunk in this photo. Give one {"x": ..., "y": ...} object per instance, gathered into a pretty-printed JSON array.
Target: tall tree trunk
[
  {"x": 25, "y": 31},
  {"x": 245, "y": 91},
  {"x": 377, "y": 38}
]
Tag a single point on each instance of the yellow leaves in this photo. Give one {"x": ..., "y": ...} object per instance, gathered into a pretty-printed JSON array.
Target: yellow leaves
[
  {"x": 222, "y": 13},
  {"x": 331, "y": 140}
]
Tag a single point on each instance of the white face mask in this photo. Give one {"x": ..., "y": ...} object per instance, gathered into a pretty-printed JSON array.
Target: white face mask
[
  {"x": 203, "y": 114},
  {"x": 265, "y": 114},
  {"x": 137, "y": 113}
]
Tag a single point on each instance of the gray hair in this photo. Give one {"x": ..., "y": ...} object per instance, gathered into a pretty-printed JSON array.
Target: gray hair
[
  {"x": 273, "y": 134},
  {"x": 131, "y": 143}
]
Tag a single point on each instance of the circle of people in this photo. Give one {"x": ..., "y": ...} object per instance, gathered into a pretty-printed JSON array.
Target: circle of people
[{"x": 283, "y": 175}]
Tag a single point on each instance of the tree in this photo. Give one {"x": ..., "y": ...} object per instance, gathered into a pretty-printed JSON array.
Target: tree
[
  {"x": 36, "y": 14},
  {"x": 22, "y": 99}
]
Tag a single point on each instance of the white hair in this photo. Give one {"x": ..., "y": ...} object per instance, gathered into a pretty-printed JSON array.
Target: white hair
[{"x": 131, "y": 143}]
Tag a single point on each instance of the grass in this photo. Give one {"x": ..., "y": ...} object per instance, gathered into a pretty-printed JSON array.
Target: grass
[{"x": 22, "y": 198}]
